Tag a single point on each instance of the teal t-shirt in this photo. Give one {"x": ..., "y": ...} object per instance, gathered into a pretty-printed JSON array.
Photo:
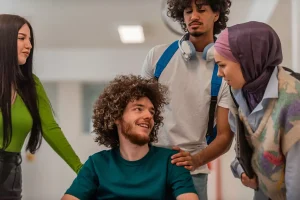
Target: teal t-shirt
[{"x": 106, "y": 175}]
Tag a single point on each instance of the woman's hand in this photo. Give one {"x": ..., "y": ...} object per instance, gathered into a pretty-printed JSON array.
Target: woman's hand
[
  {"x": 251, "y": 183},
  {"x": 30, "y": 157}
]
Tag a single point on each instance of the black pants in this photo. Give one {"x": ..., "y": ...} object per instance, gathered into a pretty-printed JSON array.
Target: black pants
[{"x": 10, "y": 176}]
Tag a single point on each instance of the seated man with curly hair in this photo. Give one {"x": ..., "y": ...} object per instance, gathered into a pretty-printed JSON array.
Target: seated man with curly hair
[{"x": 126, "y": 118}]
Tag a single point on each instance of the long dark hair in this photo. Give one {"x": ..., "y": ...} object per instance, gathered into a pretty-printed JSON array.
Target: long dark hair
[{"x": 18, "y": 77}]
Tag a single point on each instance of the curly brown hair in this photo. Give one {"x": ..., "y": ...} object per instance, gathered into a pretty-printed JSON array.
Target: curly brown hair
[
  {"x": 177, "y": 7},
  {"x": 112, "y": 102}
]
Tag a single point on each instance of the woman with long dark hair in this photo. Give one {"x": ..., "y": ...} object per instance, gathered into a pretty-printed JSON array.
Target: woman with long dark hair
[{"x": 24, "y": 107}]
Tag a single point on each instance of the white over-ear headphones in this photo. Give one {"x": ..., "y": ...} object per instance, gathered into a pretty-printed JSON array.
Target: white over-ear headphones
[
  {"x": 188, "y": 50},
  {"x": 186, "y": 47}
]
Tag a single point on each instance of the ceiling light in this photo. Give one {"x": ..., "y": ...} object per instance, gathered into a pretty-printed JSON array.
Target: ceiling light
[{"x": 131, "y": 34}]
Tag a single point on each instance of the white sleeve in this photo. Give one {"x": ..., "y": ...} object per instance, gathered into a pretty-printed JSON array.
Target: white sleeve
[
  {"x": 236, "y": 168},
  {"x": 148, "y": 66},
  {"x": 224, "y": 98}
]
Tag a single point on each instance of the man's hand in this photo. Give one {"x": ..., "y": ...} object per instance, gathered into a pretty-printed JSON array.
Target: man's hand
[
  {"x": 252, "y": 183},
  {"x": 184, "y": 158}
]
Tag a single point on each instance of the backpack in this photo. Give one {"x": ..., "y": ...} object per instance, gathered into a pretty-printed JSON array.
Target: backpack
[{"x": 215, "y": 87}]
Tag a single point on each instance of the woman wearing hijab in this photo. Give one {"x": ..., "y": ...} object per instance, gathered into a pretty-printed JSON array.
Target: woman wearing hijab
[{"x": 249, "y": 56}]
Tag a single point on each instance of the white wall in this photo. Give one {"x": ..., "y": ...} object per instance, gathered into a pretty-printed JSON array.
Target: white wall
[
  {"x": 295, "y": 34},
  {"x": 282, "y": 25},
  {"x": 87, "y": 64}
]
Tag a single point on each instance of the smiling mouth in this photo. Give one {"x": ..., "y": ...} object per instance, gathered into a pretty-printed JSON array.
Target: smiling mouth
[{"x": 144, "y": 125}]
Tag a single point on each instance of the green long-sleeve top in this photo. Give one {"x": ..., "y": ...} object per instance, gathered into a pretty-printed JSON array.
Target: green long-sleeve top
[{"x": 22, "y": 123}]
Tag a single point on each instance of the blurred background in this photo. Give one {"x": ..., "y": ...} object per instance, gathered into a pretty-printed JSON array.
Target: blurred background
[{"x": 80, "y": 46}]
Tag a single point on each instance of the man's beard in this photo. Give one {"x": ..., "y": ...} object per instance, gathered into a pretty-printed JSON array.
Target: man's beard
[
  {"x": 127, "y": 131},
  {"x": 196, "y": 34}
]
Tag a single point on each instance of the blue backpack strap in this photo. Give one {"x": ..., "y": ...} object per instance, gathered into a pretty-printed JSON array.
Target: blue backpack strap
[
  {"x": 215, "y": 88},
  {"x": 216, "y": 82},
  {"x": 165, "y": 59}
]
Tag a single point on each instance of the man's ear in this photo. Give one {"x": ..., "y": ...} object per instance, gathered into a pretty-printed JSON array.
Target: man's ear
[{"x": 217, "y": 15}]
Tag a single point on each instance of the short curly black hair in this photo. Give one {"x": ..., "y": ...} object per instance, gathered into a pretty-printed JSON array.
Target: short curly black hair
[
  {"x": 112, "y": 102},
  {"x": 177, "y": 7}
]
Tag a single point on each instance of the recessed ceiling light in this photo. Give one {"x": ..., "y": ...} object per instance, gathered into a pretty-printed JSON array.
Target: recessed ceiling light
[{"x": 131, "y": 34}]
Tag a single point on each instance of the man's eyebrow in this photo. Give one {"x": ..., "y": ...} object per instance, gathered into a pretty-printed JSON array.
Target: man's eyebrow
[{"x": 139, "y": 105}]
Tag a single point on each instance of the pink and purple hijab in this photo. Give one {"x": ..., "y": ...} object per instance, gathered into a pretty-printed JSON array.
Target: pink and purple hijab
[{"x": 257, "y": 48}]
